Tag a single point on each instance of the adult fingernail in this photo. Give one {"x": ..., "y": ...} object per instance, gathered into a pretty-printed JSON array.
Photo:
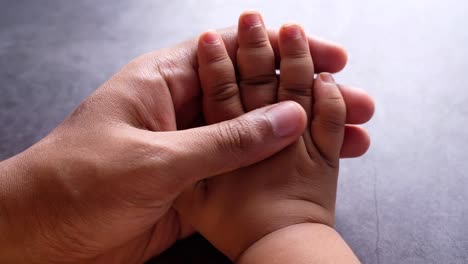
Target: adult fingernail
[
  {"x": 287, "y": 118},
  {"x": 252, "y": 19},
  {"x": 326, "y": 77},
  {"x": 292, "y": 31},
  {"x": 210, "y": 37}
]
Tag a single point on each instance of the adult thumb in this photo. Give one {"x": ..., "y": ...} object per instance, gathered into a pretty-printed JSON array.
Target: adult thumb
[{"x": 202, "y": 152}]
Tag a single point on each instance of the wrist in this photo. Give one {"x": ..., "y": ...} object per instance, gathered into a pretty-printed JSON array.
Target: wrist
[
  {"x": 12, "y": 172},
  {"x": 20, "y": 196},
  {"x": 300, "y": 243}
]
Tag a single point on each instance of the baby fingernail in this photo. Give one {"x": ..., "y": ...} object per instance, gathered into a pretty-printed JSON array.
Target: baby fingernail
[
  {"x": 210, "y": 38},
  {"x": 292, "y": 31},
  {"x": 326, "y": 77},
  {"x": 251, "y": 19}
]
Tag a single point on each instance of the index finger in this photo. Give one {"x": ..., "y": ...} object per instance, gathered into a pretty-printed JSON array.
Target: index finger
[{"x": 327, "y": 56}]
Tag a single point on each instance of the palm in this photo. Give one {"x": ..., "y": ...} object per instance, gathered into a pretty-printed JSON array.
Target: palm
[{"x": 153, "y": 241}]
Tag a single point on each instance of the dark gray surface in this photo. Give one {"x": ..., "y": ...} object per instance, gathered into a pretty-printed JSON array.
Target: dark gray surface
[{"x": 406, "y": 201}]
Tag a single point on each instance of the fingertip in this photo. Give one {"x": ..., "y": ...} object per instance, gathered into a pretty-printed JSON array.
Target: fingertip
[
  {"x": 356, "y": 142},
  {"x": 328, "y": 56},
  {"x": 208, "y": 43},
  {"x": 369, "y": 107},
  {"x": 326, "y": 77},
  {"x": 341, "y": 55},
  {"x": 360, "y": 105},
  {"x": 291, "y": 30},
  {"x": 250, "y": 18},
  {"x": 344, "y": 56},
  {"x": 325, "y": 88},
  {"x": 209, "y": 37},
  {"x": 287, "y": 118}
]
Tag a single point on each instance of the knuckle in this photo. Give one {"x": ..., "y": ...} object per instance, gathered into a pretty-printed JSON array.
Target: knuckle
[
  {"x": 333, "y": 114},
  {"x": 333, "y": 125},
  {"x": 296, "y": 89},
  {"x": 259, "y": 80},
  {"x": 149, "y": 161},
  {"x": 298, "y": 54},
  {"x": 223, "y": 91},
  {"x": 236, "y": 137},
  {"x": 217, "y": 57},
  {"x": 259, "y": 42},
  {"x": 300, "y": 83}
]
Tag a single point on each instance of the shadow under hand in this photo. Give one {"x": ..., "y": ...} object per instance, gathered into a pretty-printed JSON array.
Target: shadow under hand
[{"x": 193, "y": 250}]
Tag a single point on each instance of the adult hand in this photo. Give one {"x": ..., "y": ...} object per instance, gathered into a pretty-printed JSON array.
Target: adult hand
[
  {"x": 99, "y": 188},
  {"x": 178, "y": 66}
]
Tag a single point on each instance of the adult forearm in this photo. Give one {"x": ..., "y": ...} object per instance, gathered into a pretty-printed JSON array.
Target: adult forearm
[
  {"x": 26, "y": 191},
  {"x": 11, "y": 238},
  {"x": 300, "y": 244}
]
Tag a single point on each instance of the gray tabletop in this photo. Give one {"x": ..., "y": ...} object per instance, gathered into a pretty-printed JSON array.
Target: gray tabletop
[{"x": 406, "y": 201}]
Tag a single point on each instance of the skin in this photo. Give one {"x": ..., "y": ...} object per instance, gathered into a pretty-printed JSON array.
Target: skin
[
  {"x": 240, "y": 211},
  {"x": 304, "y": 243},
  {"x": 179, "y": 66},
  {"x": 100, "y": 188}
]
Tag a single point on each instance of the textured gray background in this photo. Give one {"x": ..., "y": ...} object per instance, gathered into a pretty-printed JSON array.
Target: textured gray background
[{"x": 406, "y": 201}]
